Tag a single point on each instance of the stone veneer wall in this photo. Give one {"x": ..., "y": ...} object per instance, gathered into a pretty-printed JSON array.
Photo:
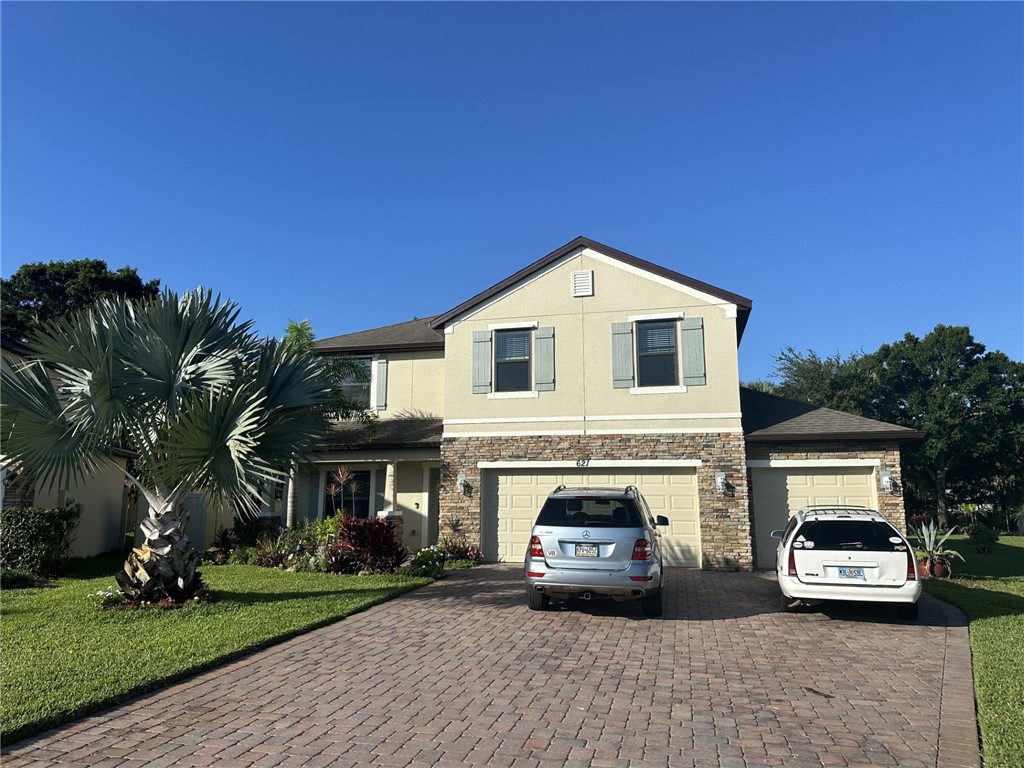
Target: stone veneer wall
[
  {"x": 888, "y": 454},
  {"x": 725, "y": 525}
]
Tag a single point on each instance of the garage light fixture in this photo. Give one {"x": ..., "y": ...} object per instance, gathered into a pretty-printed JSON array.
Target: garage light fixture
[{"x": 721, "y": 484}]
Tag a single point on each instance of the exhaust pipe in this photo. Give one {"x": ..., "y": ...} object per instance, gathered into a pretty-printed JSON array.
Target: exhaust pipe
[{"x": 585, "y": 596}]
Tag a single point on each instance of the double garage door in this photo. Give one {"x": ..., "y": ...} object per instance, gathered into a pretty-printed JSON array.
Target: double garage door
[
  {"x": 512, "y": 498},
  {"x": 777, "y": 494}
]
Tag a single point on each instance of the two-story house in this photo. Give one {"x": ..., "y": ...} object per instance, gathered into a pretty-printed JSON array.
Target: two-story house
[{"x": 591, "y": 367}]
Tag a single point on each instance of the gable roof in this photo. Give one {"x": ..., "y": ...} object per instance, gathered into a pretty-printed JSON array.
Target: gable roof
[
  {"x": 410, "y": 335},
  {"x": 770, "y": 418},
  {"x": 742, "y": 303}
]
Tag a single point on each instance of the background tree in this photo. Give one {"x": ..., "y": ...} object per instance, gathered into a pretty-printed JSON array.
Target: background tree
[
  {"x": 967, "y": 401},
  {"x": 201, "y": 402},
  {"x": 44, "y": 291}
]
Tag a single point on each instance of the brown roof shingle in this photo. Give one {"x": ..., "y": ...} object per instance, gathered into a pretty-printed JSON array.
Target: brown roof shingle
[
  {"x": 412, "y": 334},
  {"x": 410, "y": 432},
  {"x": 770, "y": 418}
]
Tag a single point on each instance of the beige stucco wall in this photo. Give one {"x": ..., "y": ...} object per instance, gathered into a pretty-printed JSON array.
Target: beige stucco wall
[
  {"x": 415, "y": 383},
  {"x": 101, "y": 528},
  {"x": 584, "y": 400}
]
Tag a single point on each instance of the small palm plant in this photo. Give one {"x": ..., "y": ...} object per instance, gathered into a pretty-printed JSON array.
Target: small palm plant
[
  {"x": 193, "y": 395},
  {"x": 933, "y": 554}
]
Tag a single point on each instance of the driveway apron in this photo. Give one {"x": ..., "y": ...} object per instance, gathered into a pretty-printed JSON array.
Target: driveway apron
[{"x": 462, "y": 673}]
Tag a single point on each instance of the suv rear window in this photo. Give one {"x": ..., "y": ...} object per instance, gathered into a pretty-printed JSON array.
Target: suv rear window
[
  {"x": 863, "y": 535},
  {"x": 590, "y": 512}
]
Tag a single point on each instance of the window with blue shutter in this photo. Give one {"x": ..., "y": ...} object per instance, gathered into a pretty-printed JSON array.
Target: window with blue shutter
[
  {"x": 656, "y": 361},
  {"x": 512, "y": 361}
]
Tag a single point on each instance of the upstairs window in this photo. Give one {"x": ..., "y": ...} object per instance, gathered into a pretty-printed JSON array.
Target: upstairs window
[
  {"x": 512, "y": 361},
  {"x": 354, "y": 380},
  {"x": 656, "y": 354}
]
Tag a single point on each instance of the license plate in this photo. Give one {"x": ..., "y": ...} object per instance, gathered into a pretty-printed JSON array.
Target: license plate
[
  {"x": 586, "y": 550},
  {"x": 851, "y": 573}
]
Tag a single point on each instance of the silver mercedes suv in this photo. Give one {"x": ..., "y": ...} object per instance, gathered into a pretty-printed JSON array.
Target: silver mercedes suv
[{"x": 595, "y": 543}]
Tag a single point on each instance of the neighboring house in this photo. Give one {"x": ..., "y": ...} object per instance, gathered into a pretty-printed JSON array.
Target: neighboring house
[
  {"x": 103, "y": 498},
  {"x": 591, "y": 366}
]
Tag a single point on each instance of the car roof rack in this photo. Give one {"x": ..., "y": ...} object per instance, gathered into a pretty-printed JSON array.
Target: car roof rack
[{"x": 839, "y": 509}]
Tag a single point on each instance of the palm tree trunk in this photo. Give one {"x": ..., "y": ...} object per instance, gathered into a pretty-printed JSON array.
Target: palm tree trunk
[{"x": 164, "y": 566}]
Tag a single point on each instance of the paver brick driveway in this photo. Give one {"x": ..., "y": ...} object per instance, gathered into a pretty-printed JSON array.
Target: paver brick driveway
[{"x": 461, "y": 673}]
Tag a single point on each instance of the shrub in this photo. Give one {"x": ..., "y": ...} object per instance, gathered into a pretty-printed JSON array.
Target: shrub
[
  {"x": 460, "y": 549},
  {"x": 428, "y": 562},
  {"x": 372, "y": 544},
  {"x": 224, "y": 541},
  {"x": 18, "y": 580},
  {"x": 36, "y": 539},
  {"x": 981, "y": 536},
  {"x": 243, "y": 556}
]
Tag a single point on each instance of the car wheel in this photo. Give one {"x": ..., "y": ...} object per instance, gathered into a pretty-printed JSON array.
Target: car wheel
[
  {"x": 537, "y": 601},
  {"x": 652, "y": 604},
  {"x": 907, "y": 611}
]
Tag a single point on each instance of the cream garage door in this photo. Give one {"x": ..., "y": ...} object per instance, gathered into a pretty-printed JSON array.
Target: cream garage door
[
  {"x": 777, "y": 494},
  {"x": 512, "y": 499}
]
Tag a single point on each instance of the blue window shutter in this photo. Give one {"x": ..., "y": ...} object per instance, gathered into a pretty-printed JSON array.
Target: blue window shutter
[
  {"x": 382, "y": 384},
  {"x": 481, "y": 362},
  {"x": 622, "y": 355},
  {"x": 691, "y": 331},
  {"x": 544, "y": 359}
]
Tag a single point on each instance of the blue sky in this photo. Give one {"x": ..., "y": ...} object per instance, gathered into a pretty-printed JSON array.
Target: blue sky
[{"x": 855, "y": 169}]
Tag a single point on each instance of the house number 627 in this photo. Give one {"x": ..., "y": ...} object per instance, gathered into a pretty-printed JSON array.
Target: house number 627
[{"x": 582, "y": 462}]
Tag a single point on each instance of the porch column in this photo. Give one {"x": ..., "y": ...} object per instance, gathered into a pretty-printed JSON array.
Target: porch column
[{"x": 390, "y": 498}]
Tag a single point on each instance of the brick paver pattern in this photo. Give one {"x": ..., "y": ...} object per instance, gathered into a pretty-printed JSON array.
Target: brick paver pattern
[{"x": 462, "y": 673}]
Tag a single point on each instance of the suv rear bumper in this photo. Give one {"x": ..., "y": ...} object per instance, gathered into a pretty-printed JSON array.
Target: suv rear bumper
[{"x": 577, "y": 583}]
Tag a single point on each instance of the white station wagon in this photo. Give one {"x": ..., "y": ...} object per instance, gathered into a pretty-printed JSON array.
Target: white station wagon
[{"x": 846, "y": 553}]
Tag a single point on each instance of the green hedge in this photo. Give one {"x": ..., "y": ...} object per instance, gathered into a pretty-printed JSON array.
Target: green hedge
[{"x": 37, "y": 540}]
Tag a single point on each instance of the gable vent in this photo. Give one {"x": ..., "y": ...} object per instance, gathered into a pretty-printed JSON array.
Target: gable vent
[{"x": 583, "y": 283}]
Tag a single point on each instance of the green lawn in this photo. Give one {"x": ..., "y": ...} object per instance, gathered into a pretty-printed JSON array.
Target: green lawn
[
  {"x": 63, "y": 656},
  {"x": 989, "y": 589}
]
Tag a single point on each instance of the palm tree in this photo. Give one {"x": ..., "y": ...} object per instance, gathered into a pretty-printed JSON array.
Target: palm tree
[{"x": 194, "y": 395}]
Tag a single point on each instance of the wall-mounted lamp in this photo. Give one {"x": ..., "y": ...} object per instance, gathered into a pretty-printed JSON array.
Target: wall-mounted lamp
[
  {"x": 721, "y": 485},
  {"x": 462, "y": 483},
  {"x": 888, "y": 486}
]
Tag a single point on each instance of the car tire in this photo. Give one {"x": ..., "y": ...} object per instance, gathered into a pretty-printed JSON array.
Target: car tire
[
  {"x": 652, "y": 605},
  {"x": 907, "y": 611},
  {"x": 537, "y": 601}
]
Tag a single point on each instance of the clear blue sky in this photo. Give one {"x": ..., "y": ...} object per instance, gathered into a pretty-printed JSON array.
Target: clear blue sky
[{"x": 855, "y": 169}]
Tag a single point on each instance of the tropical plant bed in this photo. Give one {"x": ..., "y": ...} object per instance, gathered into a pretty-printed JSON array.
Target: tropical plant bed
[
  {"x": 64, "y": 656},
  {"x": 989, "y": 589}
]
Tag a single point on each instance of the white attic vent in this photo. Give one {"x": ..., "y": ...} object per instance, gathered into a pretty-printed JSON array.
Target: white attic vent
[{"x": 583, "y": 283}]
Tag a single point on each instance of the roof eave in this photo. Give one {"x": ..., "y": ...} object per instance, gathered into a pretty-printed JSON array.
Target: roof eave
[
  {"x": 902, "y": 436},
  {"x": 369, "y": 348}
]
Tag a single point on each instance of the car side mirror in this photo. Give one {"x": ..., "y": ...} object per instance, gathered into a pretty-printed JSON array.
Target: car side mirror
[
  {"x": 777, "y": 534},
  {"x": 661, "y": 520}
]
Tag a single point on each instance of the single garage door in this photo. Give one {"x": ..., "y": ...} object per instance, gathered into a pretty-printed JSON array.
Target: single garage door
[
  {"x": 512, "y": 498},
  {"x": 777, "y": 494}
]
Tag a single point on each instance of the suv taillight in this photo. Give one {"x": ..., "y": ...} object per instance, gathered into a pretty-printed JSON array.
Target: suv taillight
[
  {"x": 792, "y": 563},
  {"x": 642, "y": 550},
  {"x": 911, "y": 565},
  {"x": 536, "y": 550}
]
